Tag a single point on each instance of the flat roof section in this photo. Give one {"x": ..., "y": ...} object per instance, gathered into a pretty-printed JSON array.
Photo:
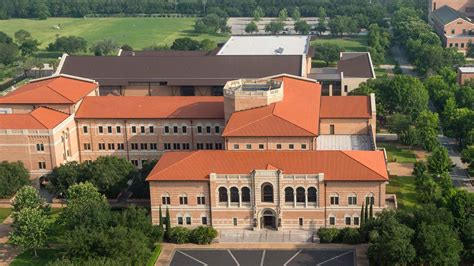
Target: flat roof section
[
  {"x": 466, "y": 69},
  {"x": 266, "y": 45}
]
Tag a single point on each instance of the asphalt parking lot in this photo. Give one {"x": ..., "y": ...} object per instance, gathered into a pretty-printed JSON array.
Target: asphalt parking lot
[{"x": 263, "y": 257}]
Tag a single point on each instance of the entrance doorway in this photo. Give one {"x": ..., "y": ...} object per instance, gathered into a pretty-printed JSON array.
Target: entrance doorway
[{"x": 268, "y": 220}]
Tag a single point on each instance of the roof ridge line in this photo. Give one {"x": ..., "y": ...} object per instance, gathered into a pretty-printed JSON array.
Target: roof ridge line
[
  {"x": 34, "y": 117},
  {"x": 60, "y": 94},
  {"x": 354, "y": 159},
  {"x": 251, "y": 123},
  {"x": 294, "y": 124}
]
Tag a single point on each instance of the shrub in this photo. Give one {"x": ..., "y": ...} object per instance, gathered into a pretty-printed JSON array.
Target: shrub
[
  {"x": 203, "y": 235},
  {"x": 328, "y": 235},
  {"x": 179, "y": 235},
  {"x": 350, "y": 235},
  {"x": 157, "y": 234}
]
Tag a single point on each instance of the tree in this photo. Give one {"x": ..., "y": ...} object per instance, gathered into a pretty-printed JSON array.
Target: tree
[
  {"x": 296, "y": 15},
  {"x": 398, "y": 123},
  {"x": 302, "y": 27},
  {"x": 167, "y": 224},
  {"x": 104, "y": 47},
  {"x": 409, "y": 137},
  {"x": 438, "y": 243},
  {"x": 4, "y": 38},
  {"x": 327, "y": 52},
  {"x": 8, "y": 53},
  {"x": 211, "y": 23},
  {"x": 21, "y": 36},
  {"x": 275, "y": 27},
  {"x": 186, "y": 44},
  {"x": 428, "y": 191},
  {"x": 283, "y": 14},
  {"x": 126, "y": 47},
  {"x": 427, "y": 124},
  {"x": 160, "y": 216},
  {"x": 207, "y": 45},
  {"x": 13, "y": 176},
  {"x": 341, "y": 25},
  {"x": 362, "y": 215},
  {"x": 28, "y": 47},
  {"x": 68, "y": 44},
  {"x": 64, "y": 176},
  {"x": 321, "y": 27},
  {"x": 439, "y": 162},
  {"x": 470, "y": 49},
  {"x": 251, "y": 27},
  {"x": 419, "y": 168},
  {"x": 29, "y": 229},
  {"x": 467, "y": 156},
  {"x": 258, "y": 14},
  {"x": 28, "y": 197}
]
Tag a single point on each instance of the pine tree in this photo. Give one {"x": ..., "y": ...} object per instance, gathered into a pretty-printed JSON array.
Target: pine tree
[
  {"x": 371, "y": 211},
  {"x": 168, "y": 224},
  {"x": 362, "y": 214},
  {"x": 160, "y": 214},
  {"x": 366, "y": 214}
]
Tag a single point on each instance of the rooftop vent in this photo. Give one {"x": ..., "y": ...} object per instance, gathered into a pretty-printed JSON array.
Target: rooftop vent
[{"x": 279, "y": 50}]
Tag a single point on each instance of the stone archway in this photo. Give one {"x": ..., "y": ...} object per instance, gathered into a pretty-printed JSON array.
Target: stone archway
[{"x": 268, "y": 219}]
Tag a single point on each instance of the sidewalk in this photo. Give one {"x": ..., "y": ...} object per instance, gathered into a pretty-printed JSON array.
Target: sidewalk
[
  {"x": 168, "y": 250},
  {"x": 7, "y": 253}
]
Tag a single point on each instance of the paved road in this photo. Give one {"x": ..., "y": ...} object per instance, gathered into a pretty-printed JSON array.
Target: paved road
[{"x": 399, "y": 55}]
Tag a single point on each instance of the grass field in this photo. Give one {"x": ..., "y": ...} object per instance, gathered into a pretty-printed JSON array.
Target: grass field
[
  {"x": 137, "y": 32},
  {"x": 348, "y": 44},
  {"x": 399, "y": 155},
  {"x": 4, "y": 213},
  {"x": 404, "y": 188}
]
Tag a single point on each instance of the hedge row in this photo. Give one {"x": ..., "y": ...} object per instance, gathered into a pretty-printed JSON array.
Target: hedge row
[
  {"x": 199, "y": 235},
  {"x": 346, "y": 235}
]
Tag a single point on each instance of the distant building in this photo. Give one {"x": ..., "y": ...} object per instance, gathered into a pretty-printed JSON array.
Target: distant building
[
  {"x": 464, "y": 74},
  {"x": 453, "y": 24},
  {"x": 464, "y": 6},
  {"x": 352, "y": 69}
]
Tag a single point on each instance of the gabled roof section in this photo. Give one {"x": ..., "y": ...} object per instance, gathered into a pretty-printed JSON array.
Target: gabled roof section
[
  {"x": 296, "y": 115},
  {"x": 51, "y": 90},
  {"x": 356, "y": 65},
  {"x": 40, "y": 118},
  {"x": 345, "y": 107},
  {"x": 447, "y": 14},
  {"x": 121, "y": 107},
  {"x": 335, "y": 165}
]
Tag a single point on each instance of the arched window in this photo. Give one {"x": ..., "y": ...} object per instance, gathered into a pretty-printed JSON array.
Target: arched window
[
  {"x": 370, "y": 198},
  {"x": 245, "y": 194},
  {"x": 223, "y": 194},
  {"x": 234, "y": 194},
  {"x": 289, "y": 194},
  {"x": 267, "y": 193},
  {"x": 312, "y": 194},
  {"x": 352, "y": 199},
  {"x": 300, "y": 194}
]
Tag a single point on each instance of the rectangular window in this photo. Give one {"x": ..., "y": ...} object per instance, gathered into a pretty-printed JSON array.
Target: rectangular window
[
  {"x": 261, "y": 146},
  {"x": 184, "y": 129},
  {"x": 39, "y": 147},
  {"x": 176, "y": 146},
  {"x": 348, "y": 220},
  {"x": 278, "y": 146},
  {"x": 208, "y": 129},
  {"x": 180, "y": 220},
  {"x": 87, "y": 146},
  {"x": 142, "y": 129},
  {"x": 144, "y": 146},
  {"x": 300, "y": 221},
  {"x": 42, "y": 165},
  {"x": 167, "y": 146},
  {"x": 188, "y": 220},
  {"x": 332, "y": 220},
  {"x": 120, "y": 146},
  {"x": 135, "y": 163},
  {"x": 153, "y": 146},
  {"x": 291, "y": 146},
  {"x": 234, "y": 221},
  {"x": 218, "y": 146},
  {"x": 217, "y": 129},
  {"x": 186, "y": 146},
  {"x": 199, "y": 128},
  {"x": 332, "y": 129},
  {"x": 236, "y": 146},
  {"x": 208, "y": 146},
  {"x": 118, "y": 129},
  {"x": 101, "y": 146},
  {"x": 134, "y": 146},
  {"x": 111, "y": 146},
  {"x": 85, "y": 129},
  {"x": 303, "y": 146},
  {"x": 204, "y": 220},
  {"x": 334, "y": 200},
  {"x": 200, "y": 146},
  {"x": 356, "y": 220},
  {"x": 248, "y": 146},
  {"x": 151, "y": 129},
  {"x": 134, "y": 129},
  {"x": 166, "y": 200},
  {"x": 201, "y": 200},
  {"x": 101, "y": 129},
  {"x": 175, "y": 130},
  {"x": 109, "y": 129},
  {"x": 167, "y": 129}
]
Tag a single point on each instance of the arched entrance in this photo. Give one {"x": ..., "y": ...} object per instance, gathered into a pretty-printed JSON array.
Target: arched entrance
[{"x": 268, "y": 219}]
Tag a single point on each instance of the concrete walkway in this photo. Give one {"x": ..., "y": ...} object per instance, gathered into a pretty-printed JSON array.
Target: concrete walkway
[
  {"x": 459, "y": 173},
  {"x": 168, "y": 250},
  {"x": 399, "y": 55},
  {"x": 7, "y": 253}
]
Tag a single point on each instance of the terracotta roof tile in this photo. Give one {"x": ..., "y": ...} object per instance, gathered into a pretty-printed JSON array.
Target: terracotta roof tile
[
  {"x": 40, "y": 118},
  {"x": 189, "y": 107},
  {"x": 336, "y": 165},
  {"x": 296, "y": 115},
  {"x": 55, "y": 90},
  {"x": 345, "y": 107}
]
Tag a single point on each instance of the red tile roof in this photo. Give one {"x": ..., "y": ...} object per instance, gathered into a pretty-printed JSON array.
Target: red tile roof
[
  {"x": 187, "y": 107},
  {"x": 54, "y": 90},
  {"x": 345, "y": 107},
  {"x": 336, "y": 165},
  {"x": 296, "y": 115},
  {"x": 40, "y": 118}
]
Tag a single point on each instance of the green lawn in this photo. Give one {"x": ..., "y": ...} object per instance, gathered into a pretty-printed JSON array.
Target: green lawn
[
  {"x": 399, "y": 155},
  {"x": 404, "y": 188},
  {"x": 154, "y": 255},
  {"x": 348, "y": 44},
  {"x": 137, "y": 32},
  {"x": 27, "y": 258},
  {"x": 4, "y": 213}
]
